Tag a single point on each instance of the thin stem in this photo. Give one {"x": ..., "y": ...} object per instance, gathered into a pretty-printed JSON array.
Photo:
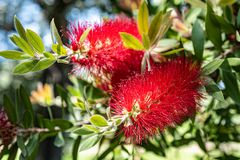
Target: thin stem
[{"x": 50, "y": 112}]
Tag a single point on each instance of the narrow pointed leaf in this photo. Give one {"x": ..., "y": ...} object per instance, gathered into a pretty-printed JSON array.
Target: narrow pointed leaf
[
  {"x": 212, "y": 28},
  {"x": 43, "y": 64},
  {"x": 212, "y": 66},
  {"x": 49, "y": 55},
  {"x": 131, "y": 42},
  {"x": 9, "y": 109},
  {"x": 12, "y": 54},
  {"x": 146, "y": 41},
  {"x": 89, "y": 142},
  {"x": 35, "y": 40},
  {"x": 20, "y": 29},
  {"x": 143, "y": 18},
  {"x": 22, "y": 44},
  {"x": 24, "y": 67},
  {"x": 198, "y": 40},
  {"x": 55, "y": 34},
  {"x": 84, "y": 35},
  {"x": 155, "y": 26}
]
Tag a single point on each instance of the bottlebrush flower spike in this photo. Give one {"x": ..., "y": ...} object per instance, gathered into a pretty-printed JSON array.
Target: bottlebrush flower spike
[
  {"x": 157, "y": 99},
  {"x": 102, "y": 55},
  {"x": 8, "y": 131}
]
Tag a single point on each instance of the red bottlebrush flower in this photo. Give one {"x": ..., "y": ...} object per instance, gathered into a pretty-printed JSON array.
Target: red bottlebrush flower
[
  {"x": 102, "y": 55},
  {"x": 8, "y": 131},
  {"x": 165, "y": 96}
]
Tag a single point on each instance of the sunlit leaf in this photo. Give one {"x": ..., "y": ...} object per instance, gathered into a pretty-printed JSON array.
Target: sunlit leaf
[
  {"x": 43, "y": 64},
  {"x": 60, "y": 50},
  {"x": 146, "y": 41},
  {"x": 20, "y": 29},
  {"x": 12, "y": 54},
  {"x": 84, "y": 35},
  {"x": 212, "y": 66},
  {"x": 226, "y": 2},
  {"x": 131, "y": 42},
  {"x": 35, "y": 40},
  {"x": 143, "y": 18},
  {"x": 196, "y": 3},
  {"x": 83, "y": 131},
  {"x": 25, "y": 67},
  {"x": 98, "y": 120},
  {"x": 22, "y": 44},
  {"x": 54, "y": 33},
  {"x": 89, "y": 142}
]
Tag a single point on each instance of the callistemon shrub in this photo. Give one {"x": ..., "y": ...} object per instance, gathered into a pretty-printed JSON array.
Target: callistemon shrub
[
  {"x": 101, "y": 57},
  {"x": 8, "y": 131},
  {"x": 163, "y": 97}
]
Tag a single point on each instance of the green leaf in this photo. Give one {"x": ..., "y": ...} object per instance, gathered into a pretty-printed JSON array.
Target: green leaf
[
  {"x": 98, "y": 120},
  {"x": 62, "y": 124},
  {"x": 20, "y": 29},
  {"x": 54, "y": 33},
  {"x": 75, "y": 148},
  {"x": 196, "y": 3},
  {"x": 24, "y": 67},
  {"x": 159, "y": 26},
  {"x": 49, "y": 55},
  {"x": 213, "y": 90},
  {"x": 212, "y": 66},
  {"x": 212, "y": 28},
  {"x": 27, "y": 119},
  {"x": 22, "y": 44},
  {"x": 131, "y": 42},
  {"x": 35, "y": 40},
  {"x": 21, "y": 145},
  {"x": 43, "y": 64},
  {"x": 226, "y": 27},
  {"x": 155, "y": 27},
  {"x": 198, "y": 40},
  {"x": 89, "y": 142},
  {"x": 238, "y": 18},
  {"x": 143, "y": 18},
  {"x": 32, "y": 146},
  {"x": 12, "y": 54},
  {"x": 200, "y": 141},
  {"x": 91, "y": 128},
  {"x": 25, "y": 99},
  {"x": 226, "y": 2},
  {"x": 83, "y": 131},
  {"x": 59, "y": 140},
  {"x": 165, "y": 45},
  {"x": 9, "y": 108},
  {"x": 60, "y": 50},
  {"x": 84, "y": 35},
  {"x": 230, "y": 82},
  {"x": 233, "y": 61},
  {"x": 146, "y": 41},
  {"x": 13, "y": 150}
]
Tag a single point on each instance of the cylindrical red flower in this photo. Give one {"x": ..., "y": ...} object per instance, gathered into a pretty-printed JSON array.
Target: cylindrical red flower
[
  {"x": 102, "y": 57},
  {"x": 163, "y": 97},
  {"x": 8, "y": 130}
]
